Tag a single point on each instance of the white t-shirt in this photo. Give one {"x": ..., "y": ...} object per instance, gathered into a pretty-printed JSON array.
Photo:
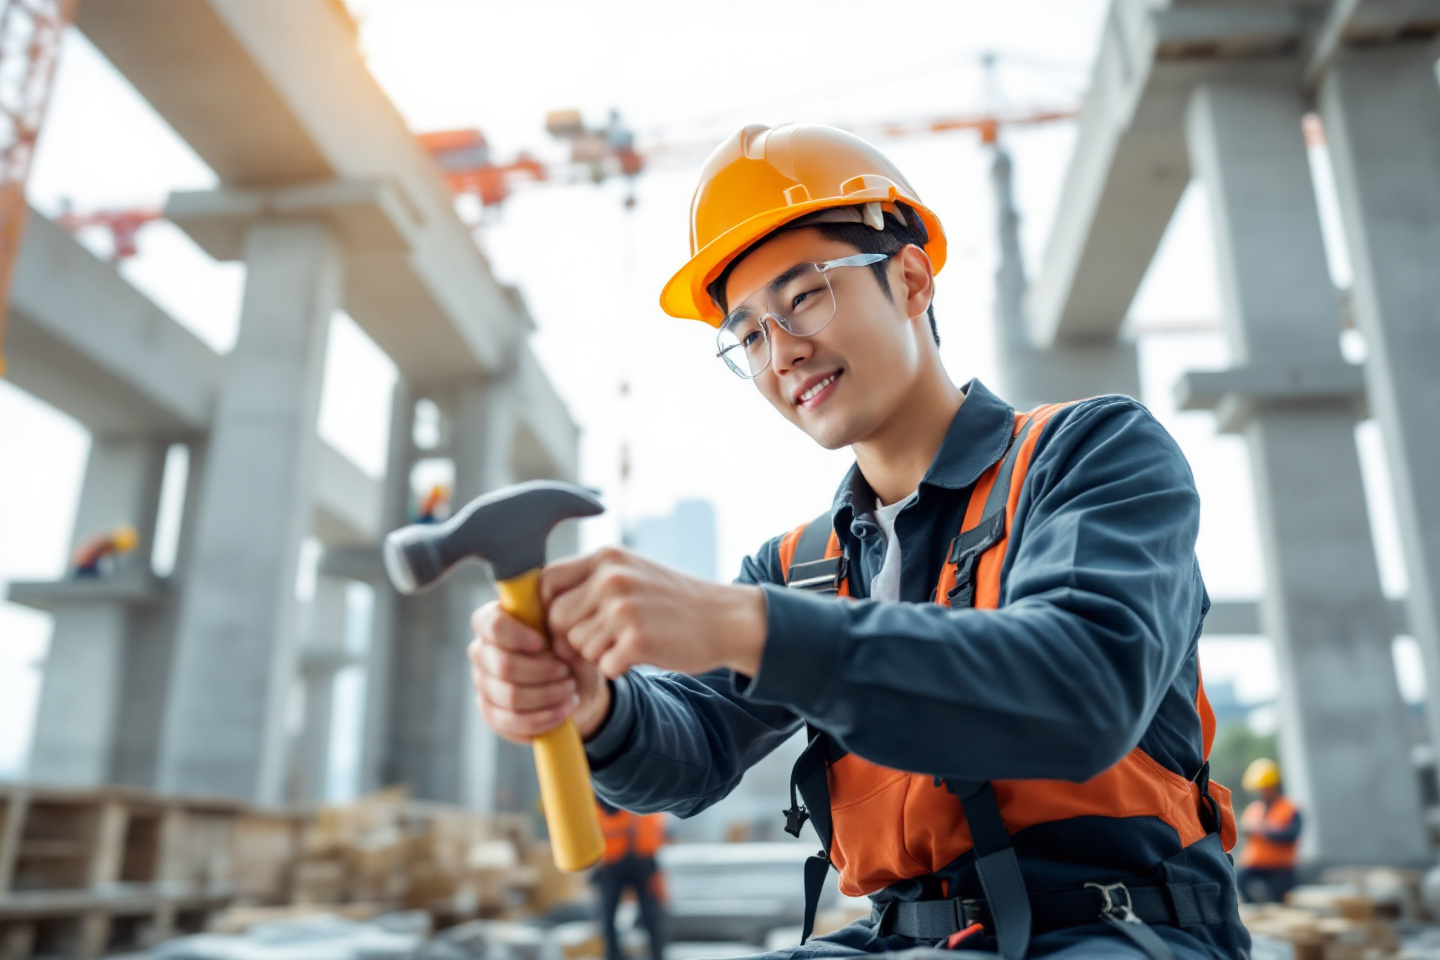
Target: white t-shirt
[{"x": 886, "y": 585}]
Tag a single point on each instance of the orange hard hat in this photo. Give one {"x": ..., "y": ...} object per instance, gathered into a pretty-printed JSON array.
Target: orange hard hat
[{"x": 764, "y": 177}]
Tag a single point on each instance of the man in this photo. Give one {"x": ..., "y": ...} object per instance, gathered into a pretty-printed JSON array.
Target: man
[
  {"x": 631, "y": 842},
  {"x": 1271, "y": 828},
  {"x": 1007, "y": 729}
]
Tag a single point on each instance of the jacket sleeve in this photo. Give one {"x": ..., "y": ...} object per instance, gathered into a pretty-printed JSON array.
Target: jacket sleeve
[
  {"x": 1100, "y": 606},
  {"x": 678, "y": 743}
]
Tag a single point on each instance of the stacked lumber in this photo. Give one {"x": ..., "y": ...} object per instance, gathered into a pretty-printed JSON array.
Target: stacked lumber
[
  {"x": 1357, "y": 916},
  {"x": 83, "y": 871},
  {"x": 388, "y": 849}
]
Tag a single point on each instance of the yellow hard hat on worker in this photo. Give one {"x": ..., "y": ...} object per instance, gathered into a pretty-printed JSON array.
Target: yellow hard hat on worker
[
  {"x": 764, "y": 177},
  {"x": 1261, "y": 773}
]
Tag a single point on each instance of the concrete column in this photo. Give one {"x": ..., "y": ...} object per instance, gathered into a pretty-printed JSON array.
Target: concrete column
[
  {"x": 150, "y": 655},
  {"x": 224, "y": 725},
  {"x": 1381, "y": 109},
  {"x": 442, "y": 748},
  {"x": 382, "y": 667},
  {"x": 1340, "y": 708},
  {"x": 322, "y": 655},
  {"x": 1066, "y": 370},
  {"x": 81, "y": 694}
]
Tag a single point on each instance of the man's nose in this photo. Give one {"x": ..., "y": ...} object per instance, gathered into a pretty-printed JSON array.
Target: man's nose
[{"x": 787, "y": 350}]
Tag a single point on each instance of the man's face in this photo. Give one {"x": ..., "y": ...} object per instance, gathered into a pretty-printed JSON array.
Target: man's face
[{"x": 868, "y": 353}]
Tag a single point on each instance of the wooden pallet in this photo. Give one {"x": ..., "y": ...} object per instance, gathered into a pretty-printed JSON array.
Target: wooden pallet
[{"x": 84, "y": 871}]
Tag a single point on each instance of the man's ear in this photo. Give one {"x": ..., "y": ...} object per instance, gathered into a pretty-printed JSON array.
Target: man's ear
[{"x": 917, "y": 280}]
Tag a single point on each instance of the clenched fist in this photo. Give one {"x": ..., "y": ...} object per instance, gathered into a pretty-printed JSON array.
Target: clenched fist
[
  {"x": 525, "y": 686},
  {"x": 607, "y": 612}
]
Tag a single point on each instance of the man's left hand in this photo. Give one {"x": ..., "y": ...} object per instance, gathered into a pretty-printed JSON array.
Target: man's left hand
[{"x": 618, "y": 610}]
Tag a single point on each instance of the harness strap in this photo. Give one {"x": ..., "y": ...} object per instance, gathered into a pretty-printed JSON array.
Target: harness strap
[
  {"x": 971, "y": 544},
  {"x": 997, "y": 867},
  {"x": 811, "y": 779},
  {"x": 1175, "y": 904},
  {"x": 810, "y": 569}
]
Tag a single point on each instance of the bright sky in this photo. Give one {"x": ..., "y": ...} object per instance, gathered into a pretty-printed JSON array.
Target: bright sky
[{"x": 590, "y": 272}]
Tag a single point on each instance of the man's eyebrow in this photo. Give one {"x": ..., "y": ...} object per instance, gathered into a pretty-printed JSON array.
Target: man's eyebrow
[{"x": 790, "y": 274}]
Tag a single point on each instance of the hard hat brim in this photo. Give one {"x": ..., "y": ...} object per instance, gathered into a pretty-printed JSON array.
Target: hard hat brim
[{"x": 685, "y": 295}]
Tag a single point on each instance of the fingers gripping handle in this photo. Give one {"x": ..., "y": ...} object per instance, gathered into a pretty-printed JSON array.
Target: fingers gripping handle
[{"x": 564, "y": 773}]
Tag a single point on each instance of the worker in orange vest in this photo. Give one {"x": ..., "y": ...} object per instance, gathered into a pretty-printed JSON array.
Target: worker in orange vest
[
  {"x": 989, "y": 638},
  {"x": 91, "y": 555},
  {"x": 1271, "y": 828},
  {"x": 631, "y": 842}
]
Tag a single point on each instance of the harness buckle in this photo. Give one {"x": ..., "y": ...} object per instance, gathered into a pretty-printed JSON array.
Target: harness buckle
[
  {"x": 795, "y": 819},
  {"x": 1124, "y": 912}
]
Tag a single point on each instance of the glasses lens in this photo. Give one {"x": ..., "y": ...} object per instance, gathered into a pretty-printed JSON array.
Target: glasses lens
[
  {"x": 743, "y": 344},
  {"x": 803, "y": 301}
]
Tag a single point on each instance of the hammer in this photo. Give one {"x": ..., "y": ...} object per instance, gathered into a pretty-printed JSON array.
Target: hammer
[{"x": 508, "y": 527}]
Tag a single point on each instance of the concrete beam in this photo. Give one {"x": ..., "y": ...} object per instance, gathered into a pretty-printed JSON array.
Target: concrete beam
[
  {"x": 1242, "y": 618},
  {"x": 86, "y": 342},
  {"x": 347, "y": 502},
  {"x": 89, "y": 344},
  {"x": 276, "y": 93},
  {"x": 1130, "y": 168},
  {"x": 1125, "y": 179}
]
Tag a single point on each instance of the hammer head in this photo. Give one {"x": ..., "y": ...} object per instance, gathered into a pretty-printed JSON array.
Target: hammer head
[{"x": 507, "y": 527}]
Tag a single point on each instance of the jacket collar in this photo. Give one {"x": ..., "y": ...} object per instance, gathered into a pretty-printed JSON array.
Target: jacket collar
[{"x": 978, "y": 436}]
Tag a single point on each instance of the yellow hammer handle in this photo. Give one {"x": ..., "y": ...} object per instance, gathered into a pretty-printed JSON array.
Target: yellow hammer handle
[{"x": 565, "y": 791}]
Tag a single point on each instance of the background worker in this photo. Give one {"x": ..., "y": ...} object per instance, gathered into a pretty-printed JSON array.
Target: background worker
[
  {"x": 632, "y": 841},
  {"x": 990, "y": 636},
  {"x": 1271, "y": 828},
  {"x": 103, "y": 547}
]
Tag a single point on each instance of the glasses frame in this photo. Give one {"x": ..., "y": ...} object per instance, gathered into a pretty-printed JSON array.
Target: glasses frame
[{"x": 823, "y": 268}]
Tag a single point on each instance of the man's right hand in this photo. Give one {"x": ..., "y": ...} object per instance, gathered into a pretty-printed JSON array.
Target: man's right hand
[{"x": 524, "y": 689}]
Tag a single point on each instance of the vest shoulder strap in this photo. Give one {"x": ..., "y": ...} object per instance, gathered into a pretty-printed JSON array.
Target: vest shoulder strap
[{"x": 809, "y": 567}]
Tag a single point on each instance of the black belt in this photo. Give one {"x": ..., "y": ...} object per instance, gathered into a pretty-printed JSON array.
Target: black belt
[{"x": 1181, "y": 905}]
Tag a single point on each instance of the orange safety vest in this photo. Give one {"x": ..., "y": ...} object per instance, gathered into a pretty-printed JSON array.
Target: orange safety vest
[
  {"x": 1260, "y": 851},
  {"x": 631, "y": 834},
  {"x": 890, "y": 825}
]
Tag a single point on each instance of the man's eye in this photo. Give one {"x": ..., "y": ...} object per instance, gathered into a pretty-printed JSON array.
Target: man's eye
[
  {"x": 750, "y": 339},
  {"x": 805, "y": 296}
]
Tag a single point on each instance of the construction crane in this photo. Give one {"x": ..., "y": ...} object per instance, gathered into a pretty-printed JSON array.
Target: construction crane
[
  {"x": 30, "y": 33},
  {"x": 597, "y": 154}
]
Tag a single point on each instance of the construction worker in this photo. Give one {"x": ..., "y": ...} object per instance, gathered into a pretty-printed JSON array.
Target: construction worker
[
  {"x": 105, "y": 546},
  {"x": 989, "y": 638},
  {"x": 631, "y": 842},
  {"x": 1271, "y": 828}
]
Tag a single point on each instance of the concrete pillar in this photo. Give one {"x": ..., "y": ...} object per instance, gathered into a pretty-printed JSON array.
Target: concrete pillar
[
  {"x": 80, "y": 696},
  {"x": 1340, "y": 709},
  {"x": 1381, "y": 109},
  {"x": 322, "y": 655},
  {"x": 441, "y": 746},
  {"x": 150, "y": 655},
  {"x": 1066, "y": 370},
  {"x": 378, "y": 766},
  {"x": 224, "y": 725}
]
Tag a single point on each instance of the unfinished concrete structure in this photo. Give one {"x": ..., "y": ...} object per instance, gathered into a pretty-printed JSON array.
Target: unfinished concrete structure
[
  {"x": 1185, "y": 88},
  {"x": 325, "y": 196}
]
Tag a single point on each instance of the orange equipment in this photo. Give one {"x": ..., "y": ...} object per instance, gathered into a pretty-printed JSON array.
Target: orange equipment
[
  {"x": 29, "y": 30},
  {"x": 631, "y": 834},
  {"x": 464, "y": 158},
  {"x": 764, "y": 177},
  {"x": 435, "y": 501}
]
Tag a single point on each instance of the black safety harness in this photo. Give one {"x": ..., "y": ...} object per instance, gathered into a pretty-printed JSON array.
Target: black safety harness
[{"x": 1007, "y": 912}]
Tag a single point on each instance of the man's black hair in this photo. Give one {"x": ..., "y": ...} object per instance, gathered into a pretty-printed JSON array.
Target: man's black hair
[{"x": 892, "y": 239}]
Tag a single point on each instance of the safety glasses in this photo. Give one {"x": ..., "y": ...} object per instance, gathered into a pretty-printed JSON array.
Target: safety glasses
[{"x": 801, "y": 300}]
